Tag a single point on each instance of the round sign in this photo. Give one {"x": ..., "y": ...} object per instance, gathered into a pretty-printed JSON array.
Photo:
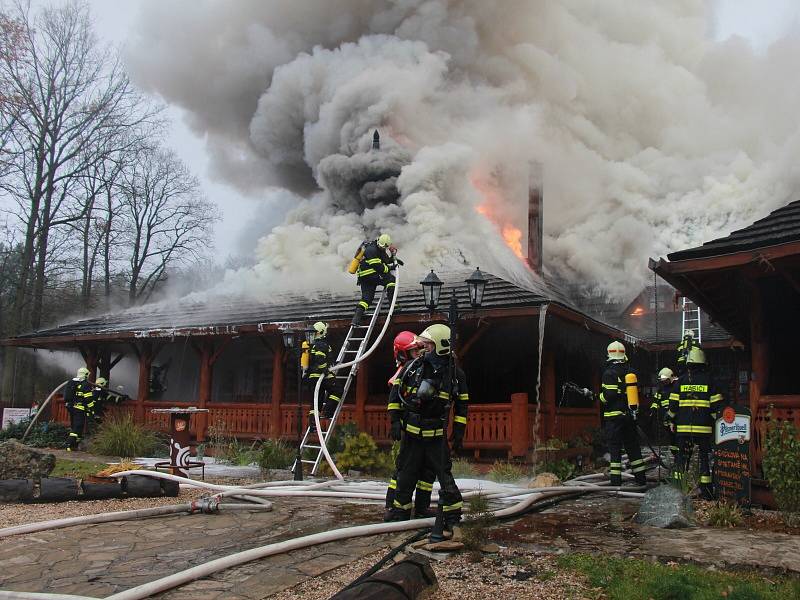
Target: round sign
[
  {"x": 728, "y": 414},
  {"x": 180, "y": 424}
]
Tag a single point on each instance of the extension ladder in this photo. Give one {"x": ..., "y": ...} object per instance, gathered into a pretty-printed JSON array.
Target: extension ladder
[
  {"x": 690, "y": 320},
  {"x": 355, "y": 344}
]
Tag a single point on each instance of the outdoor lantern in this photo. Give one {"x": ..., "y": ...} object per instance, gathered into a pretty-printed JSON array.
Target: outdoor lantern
[
  {"x": 431, "y": 288},
  {"x": 310, "y": 334},
  {"x": 288, "y": 338},
  {"x": 476, "y": 283}
]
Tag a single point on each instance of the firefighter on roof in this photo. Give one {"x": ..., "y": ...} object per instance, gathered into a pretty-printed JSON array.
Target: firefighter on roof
[
  {"x": 619, "y": 412},
  {"x": 406, "y": 348},
  {"x": 660, "y": 405},
  {"x": 419, "y": 405},
  {"x": 376, "y": 261},
  {"x": 319, "y": 360},
  {"x": 694, "y": 404},
  {"x": 79, "y": 400}
]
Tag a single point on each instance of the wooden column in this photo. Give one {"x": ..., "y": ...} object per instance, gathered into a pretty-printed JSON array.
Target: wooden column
[
  {"x": 597, "y": 379},
  {"x": 520, "y": 436},
  {"x": 278, "y": 389},
  {"x": 145, "y": 352},
  {"x": 104, "y": 363},
  {"x": 547, "y": 394},
  {"x": 206, "y": 351},
  {"x": 362, "y": 394},
  {"x": 91, "y": 358}
]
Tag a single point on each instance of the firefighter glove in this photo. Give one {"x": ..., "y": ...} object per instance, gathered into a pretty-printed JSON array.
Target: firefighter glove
[
  {"x": 458, "y": 438},
  {"x": 399, "y": 262},
  {"x": 397, "y": 430}
]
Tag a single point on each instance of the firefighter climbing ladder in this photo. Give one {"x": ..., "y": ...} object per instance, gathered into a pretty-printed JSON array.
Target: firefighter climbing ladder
[
  {"x": 690, "y": 320},
  {"x": 354, "y": 346}
]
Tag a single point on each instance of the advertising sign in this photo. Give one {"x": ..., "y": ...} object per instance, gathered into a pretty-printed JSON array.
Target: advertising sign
[
  {"x": 14, "y": 415},
  {"x": 732, "y": 455}
]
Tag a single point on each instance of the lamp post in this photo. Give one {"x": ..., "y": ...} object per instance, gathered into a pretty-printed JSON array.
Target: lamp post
[
  {"x": 431, "y": 291},
  {"x": 290, "y": 343}
]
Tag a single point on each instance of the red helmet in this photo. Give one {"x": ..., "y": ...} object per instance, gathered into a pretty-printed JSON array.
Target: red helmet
[{"x": 404, "y": 343}]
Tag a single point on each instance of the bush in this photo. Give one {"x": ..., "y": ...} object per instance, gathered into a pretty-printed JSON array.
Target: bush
[
  {"x": 340, "y": 434},
  {"x": 275, "y": 454},
  {"x": 464, "y": 469},
  {"x": 475, "y": 530},
  {"x": 723, "y": 514},
  {"x": 361, "y": 453},
  {"x": 120, "y": 436},
  {"x": 782, "y": 464},
  {"x": 43, "y": 434},
  {"x": 506, "y": 472},
  {"x": 563, "y": 469}
]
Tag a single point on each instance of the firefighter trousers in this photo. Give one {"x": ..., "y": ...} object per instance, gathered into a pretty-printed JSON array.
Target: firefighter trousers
[
  {"x": 77, "y": 423},
  {"x": 368, "y": 289},
  {"x": 417, "y": 456},
  {"x": 424, "y": 488},
  {"x": 330, "y": 394},
  {"x": 621, "y": 432},
  {"x": 686, "y": 444}
]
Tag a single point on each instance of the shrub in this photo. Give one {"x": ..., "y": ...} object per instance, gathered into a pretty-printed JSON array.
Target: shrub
[
  {"x": 120, "y": 436},
  {"x": 478, "y": 504},
  {"x": 43, "y": 434},
  {"x": 275, "y": 454},
  {"x": 475, "y": 530},
  {"x": 723, "y": 514},
  {"x": 563, "y": 469},
  {"x": 506, "y": 472},
  {"x": 782, "y": 464},
  {"x": 340, "y": 434},
  {"x": 361, "y": 453},
  {"x": 464, "y": 469}
]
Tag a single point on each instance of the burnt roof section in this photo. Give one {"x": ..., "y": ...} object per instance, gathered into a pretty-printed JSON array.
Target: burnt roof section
[
  {"x": 215, "y": 315},
  {"x": 668, "y": 326},
  {"x": 779, "y": 227}
]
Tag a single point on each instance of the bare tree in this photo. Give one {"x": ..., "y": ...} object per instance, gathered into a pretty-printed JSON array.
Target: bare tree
[{"x": 163, "y": 219}]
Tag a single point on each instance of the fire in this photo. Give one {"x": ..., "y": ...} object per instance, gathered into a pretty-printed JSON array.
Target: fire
[
  {"x": 492, "y": 197},
  {"x": 513, "y": 239},
  {"x": 637, "y": 312}
]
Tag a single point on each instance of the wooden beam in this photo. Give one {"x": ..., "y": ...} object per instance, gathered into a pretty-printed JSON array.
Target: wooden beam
[
  {"x": 218, "y": 351},
  {"x": 278, "y": 389},
  {"x": 204, "y": 386},
  {"x": 726, "y": 261},
  {"x": 115, "y": 361},
  {"x": 466, "y": 346},
  {"x": 145, "y": 353}
]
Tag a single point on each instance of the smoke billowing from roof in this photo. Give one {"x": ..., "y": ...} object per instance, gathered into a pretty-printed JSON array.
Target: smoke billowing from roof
[{"x": 651, "y": 136}]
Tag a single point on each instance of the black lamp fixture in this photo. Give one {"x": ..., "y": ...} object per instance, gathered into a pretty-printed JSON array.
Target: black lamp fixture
[
  {"x": 431, "y": 288},
  {"x": 476, "y": 284},
  {"x": 288, "y": 338}
]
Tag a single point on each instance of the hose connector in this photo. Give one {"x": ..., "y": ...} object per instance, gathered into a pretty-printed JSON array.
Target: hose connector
[{"x": 207, "y": 506}]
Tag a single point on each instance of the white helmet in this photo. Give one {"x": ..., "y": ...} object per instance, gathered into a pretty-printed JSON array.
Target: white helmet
[
  {"x": 83, "y": 373},
  {"x": 321, "y": 328},
  {"x": 384, "y": 240},
  {"x": 665, "y": 374},
  {"x": 616, "y": 352},
  {"x": 696, "y": 356}
]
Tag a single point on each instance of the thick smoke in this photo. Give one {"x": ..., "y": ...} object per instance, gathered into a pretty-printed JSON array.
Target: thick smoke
[{"x": 651, "y": 137}]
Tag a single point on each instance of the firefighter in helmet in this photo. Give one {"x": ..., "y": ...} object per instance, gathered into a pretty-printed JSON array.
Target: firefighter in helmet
[
  {"x": 687, "y": 343},
  {"x": 103, "y": 397},
  {"x": 660, "y": 405},
  {"x": 406, "y": 348},
  {"x": 419, "y": 408},
  {"x": 321, "y": 355},
  {"x": 374, "y": 269},
  {"x": 79, "y": 400},
  {"x": 618, "y": 418},
  {"x": 694, "y": 403}
]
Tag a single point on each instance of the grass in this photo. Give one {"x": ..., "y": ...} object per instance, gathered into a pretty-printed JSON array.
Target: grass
[
  {"x": 275, "y": 454},
  {"x": 506, "y": 472},
  {"x": 464, "y": 469},
  {"x": 76, "y": 468},
  {"x": 631, "y": 579},
  {"x": 723, "y": 514},
  {"x": 120, "y": 436}
]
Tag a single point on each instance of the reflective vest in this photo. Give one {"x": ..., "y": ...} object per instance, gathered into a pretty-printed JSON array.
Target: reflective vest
[
  {"x": 694, "y": 402},
  {"x": 613, "y": 399}
]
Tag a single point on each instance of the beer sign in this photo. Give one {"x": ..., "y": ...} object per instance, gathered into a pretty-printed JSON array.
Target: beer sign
[{"x": 732, "y": 455}]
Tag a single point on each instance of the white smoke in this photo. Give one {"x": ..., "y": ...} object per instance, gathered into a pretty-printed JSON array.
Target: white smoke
[{"x": 651, "y": 136}]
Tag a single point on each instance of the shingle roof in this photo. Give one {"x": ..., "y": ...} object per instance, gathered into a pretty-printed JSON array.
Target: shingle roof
[
  {"x": 669, "y": 328},
  {"x": 778, "y": 227}
]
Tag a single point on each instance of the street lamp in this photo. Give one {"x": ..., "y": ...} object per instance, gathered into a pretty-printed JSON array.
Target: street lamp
[
  {"x": 431, "y": 288},
  {"x": 291, "y": 343},
  {"x": 476, "y": 284}
]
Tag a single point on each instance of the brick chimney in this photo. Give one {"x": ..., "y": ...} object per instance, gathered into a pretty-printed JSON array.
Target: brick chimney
[{"x": 534, "y": 255}]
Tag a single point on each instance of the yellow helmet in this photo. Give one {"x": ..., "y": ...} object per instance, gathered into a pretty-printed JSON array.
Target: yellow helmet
[
  {"x": 321, "y": 328},
  {"x": 440, "y": 336},
  {"x": 83, "y": 373},
  {"x": 101, "y": 382},
  {"x": 616, "y": 351},
  {"x": 665, "y": 374},
  {"x": 384, "y": 240},
  {"x": 696, "y": 356}
]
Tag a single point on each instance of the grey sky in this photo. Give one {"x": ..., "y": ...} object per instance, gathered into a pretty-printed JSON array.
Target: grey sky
[{"x": 760, "y": 21}]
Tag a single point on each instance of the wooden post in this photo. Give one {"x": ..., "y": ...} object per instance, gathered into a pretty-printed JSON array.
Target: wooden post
[
  {"x": 520, "y": 436},
  {"x": 104, "y": 363},
  {"x": 278, "y": 389},
  {"x": 548, "y": 394},
  {"x": 597, "y": 379},
  {"x": 760, "y": 367},
  {"x": 206, "y": 351},
  {"x": 362, "y": 393},
  {"x": 145, "y": 351},
  {"x": 90, "y": 357}
]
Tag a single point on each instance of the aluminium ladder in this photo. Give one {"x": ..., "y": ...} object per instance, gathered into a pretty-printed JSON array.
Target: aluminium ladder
[
  {"x": 355, "y": 344},
  {"x": 690, "y": 320}
]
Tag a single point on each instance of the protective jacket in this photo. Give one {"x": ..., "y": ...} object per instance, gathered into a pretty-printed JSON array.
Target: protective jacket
[
  {"x": 79, "y": 395},
  {"x": 660, "y": 404},
  {"x": 613, "y": 398},
  {"x": 320, "y": 359},
  {"x": 694, "y": 402},
  {"x": 375, "y": 264}
]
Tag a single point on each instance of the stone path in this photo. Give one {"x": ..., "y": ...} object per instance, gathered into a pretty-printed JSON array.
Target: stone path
[{"x": 99, "y": 560}]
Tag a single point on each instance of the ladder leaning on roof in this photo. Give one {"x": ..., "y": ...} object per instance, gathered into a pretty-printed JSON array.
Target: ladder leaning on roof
[
  {"x": 355, "y": 343},
  {"x": 690, "y": 320}
]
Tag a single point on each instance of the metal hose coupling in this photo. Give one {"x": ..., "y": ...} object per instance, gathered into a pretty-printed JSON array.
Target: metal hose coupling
[{"x": 207, "y": 506}]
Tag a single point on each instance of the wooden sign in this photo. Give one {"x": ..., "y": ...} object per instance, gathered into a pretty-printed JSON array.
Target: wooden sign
[{"x": 732, "y": 455}]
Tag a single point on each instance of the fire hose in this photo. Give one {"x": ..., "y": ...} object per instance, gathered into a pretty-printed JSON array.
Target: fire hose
[{"x": 41, "y": 409}]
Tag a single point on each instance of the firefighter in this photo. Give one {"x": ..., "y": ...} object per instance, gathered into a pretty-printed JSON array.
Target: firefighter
[
  {"x": 694, "y": 403},
  {"x": 683, "y": 350},
  {"x": 406, "y": 348},
  {"x": 79, "y": 400},
  {"x": 330, "y": 393},
  {"x": 374, "y": 269},
  {"x": 618, "y": 419},
  {"x": 104, "y": 396},
  {"x": 660, "y": 406},
  {"x": 419, "y": 408}
]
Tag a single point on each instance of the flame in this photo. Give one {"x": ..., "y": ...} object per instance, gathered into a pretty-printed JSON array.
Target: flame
[
  {"x": 637, "y": 312},
  {"x": 513, "y": 239},
  {"x": 512, "y": 236}
]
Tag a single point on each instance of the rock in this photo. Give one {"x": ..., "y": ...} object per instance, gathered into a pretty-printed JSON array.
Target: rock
[
  {"x": 458, "y": 534},
  {"x": 544, "y": 480},
  {"x": 18, "y": 461},
  {"x": 490, "y": 548},
  {"x": 667, "y": 507},
  {"x": 445, "y": 546}
]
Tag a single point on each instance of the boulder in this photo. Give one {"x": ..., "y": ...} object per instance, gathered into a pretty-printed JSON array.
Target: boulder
[
  {"x": 18, "y": 461},
  {"x": 667, "y": 507},
  {"x": 544, "y": 480}
]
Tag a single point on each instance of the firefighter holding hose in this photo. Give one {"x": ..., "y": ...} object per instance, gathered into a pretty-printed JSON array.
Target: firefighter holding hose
[
  {"x": 79, "y": 399},
  {"x": 320, "y": 357},
  {"x": 373, "y": 264},
  {"x": 619, "y": 400},
  {"x": 421, "y": 401}
]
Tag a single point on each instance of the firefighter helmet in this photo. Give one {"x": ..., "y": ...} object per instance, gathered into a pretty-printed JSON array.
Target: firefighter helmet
[
  {"x": 384, "y": 240},
  {"x": 404, "y": 343},
  {"x": 665, "y": 374},
  {"x": 83, "y": 373},
  {"x": 616, "y": 351},
  {"x": 440, "y": 336},
  {"x": 101, "y": 382},
  {"x": 321, "y": 329},
  {"x": 696, "y": 356}
]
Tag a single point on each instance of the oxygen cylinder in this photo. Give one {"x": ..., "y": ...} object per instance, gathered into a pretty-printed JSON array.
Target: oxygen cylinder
[
  {"x": 305, "y": 357},
  {"x": 353, "y": 266},
  {"x": 632, "y": 391}
]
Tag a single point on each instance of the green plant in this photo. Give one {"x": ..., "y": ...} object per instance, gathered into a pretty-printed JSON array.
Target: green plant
[
  {"x": 782, "y": 463},
  {"x": 724, "y": 514},
  {"x": 555, "y": 444},
  {"x": 508, "y": 472},
  {"x": 76, "y": 468},
  {"x": 275, "y": 454},
  {"x": 563, "y": 469},
  {"x": 478, "y": 504},
  {"x": 336, "y": 441},
  {"x": 361, "y": 453},
  {"x": 120, "y": 436},
  {"x": 464, "y": 469},
  {"x": 475, "y": 530},
  {"x": 43, "y": 434}
]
